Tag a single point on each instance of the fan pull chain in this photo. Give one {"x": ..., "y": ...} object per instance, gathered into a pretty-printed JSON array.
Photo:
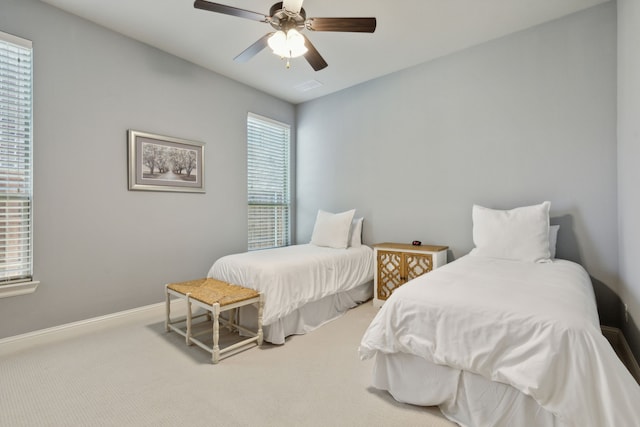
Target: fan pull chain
[{"x": 289, "y": 60}]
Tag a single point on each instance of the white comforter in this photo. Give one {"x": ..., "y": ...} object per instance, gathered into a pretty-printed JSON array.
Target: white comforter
[
  {"x": 292, "y": 276},
  {"x": 532, "y": 326}
]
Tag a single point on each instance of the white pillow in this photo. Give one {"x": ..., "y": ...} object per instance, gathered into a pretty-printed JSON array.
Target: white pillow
[
  {"x": 553, "y": 239},
  {"x": 355, "y": 241},
  {"x": 332, "y": 230},
  {"x": 520, "y": 234}
]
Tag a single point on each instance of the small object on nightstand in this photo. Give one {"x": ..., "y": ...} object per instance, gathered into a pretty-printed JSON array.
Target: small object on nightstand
[{"x": 416, "y": 243}]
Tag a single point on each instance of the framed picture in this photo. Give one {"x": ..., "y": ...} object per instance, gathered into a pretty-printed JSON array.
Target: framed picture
[{"x": 163, "y": 163}]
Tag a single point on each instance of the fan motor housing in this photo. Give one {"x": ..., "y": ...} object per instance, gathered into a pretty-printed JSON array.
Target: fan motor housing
[{"x": 283, "y": 20}]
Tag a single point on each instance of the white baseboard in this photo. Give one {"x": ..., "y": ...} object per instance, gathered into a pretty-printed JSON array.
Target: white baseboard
[
  {"x": 615, "y": 336},
  {"x": 153, "y": 312}
]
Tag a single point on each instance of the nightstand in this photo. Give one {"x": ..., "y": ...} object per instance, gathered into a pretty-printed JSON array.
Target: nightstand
[{"x": 397, "y": 263}]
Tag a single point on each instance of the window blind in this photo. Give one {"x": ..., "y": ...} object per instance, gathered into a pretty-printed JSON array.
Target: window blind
[
  {"x": 16, "y": 263},
  {"x": 268, "y": 176}
]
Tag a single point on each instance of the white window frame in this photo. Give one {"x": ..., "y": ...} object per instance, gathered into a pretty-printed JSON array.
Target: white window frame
[
  {"x": 16, "y": 166},
  {"x": 271, "y": 210}
]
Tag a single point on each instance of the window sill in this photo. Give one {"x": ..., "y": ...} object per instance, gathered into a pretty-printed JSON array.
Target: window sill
[{"x": 16, "y": 289}]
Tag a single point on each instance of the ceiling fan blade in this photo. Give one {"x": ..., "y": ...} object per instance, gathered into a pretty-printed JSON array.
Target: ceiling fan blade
[
  {"x": 292, "y": 6},
  {"x": 254, "y": 49},
  {"x": 229, "y": 10},
  {"x": 352, "y": 25},
  {"x": 313, "y": 57}
]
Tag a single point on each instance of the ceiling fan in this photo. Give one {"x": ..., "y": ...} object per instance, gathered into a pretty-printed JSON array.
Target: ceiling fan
[{"x": 288, "y": 18}]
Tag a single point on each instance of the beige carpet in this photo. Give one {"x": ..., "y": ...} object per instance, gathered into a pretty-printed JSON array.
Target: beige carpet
[{"x": 135, "y": 374}]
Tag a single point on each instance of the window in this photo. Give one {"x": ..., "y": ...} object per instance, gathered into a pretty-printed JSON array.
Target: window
[
  {"x": 268, "y": 177},
  {"x": 16, "y": 263}
]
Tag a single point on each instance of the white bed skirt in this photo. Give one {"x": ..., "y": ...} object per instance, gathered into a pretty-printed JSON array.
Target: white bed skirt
[
  {"x": 310, "y": 316},
  {"x": 463, "y": 397}
]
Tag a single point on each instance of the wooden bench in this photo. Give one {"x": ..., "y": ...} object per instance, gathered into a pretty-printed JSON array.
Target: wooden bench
[{"x": 215, "y": 297}]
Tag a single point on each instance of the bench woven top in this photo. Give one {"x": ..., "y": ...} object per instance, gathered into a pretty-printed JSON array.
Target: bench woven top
[{"x": 211, "y": 291}]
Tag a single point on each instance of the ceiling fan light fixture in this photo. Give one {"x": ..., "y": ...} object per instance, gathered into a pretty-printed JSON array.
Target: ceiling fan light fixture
[
  {"x": 286, "y": 17},
  {"x": 289, "y": 45}
]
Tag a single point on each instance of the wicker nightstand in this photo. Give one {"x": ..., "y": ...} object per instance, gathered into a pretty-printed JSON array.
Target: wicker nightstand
[{"x": 397, "y": 263}]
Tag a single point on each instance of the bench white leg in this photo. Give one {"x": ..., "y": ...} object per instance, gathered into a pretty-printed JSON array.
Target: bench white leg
[
  {"x": 232, "y": 319},
  {"x": 167, "y": 308},
  {"x": 189, "y": 319},
  {"x": 215, "y": 354},
  {"x": 260, "y": 304}
]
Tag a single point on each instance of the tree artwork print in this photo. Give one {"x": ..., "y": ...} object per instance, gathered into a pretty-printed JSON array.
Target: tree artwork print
[{"x": 168, "y": 163}]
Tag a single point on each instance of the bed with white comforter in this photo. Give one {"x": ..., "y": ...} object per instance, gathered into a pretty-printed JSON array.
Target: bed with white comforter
[
  {"x": 498, "y": 342},
  {"x": 304, "y": 286}
]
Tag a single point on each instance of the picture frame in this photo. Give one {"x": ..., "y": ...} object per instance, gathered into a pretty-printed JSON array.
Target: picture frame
[{"x": 164, "y": 163}]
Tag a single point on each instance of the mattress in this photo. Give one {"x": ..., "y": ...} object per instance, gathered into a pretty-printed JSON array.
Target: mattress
[
  {"x": 532, "y": 327},
  {"x": 308, "y": 317},
  {"x": 463, "y": 397},
  {"x": 293, "y": 276}
]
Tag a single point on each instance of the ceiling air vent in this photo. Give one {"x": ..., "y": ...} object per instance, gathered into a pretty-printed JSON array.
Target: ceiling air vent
[{"x": 306, "y": 86}]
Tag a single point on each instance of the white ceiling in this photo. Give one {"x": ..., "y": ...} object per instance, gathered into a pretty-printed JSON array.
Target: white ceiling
[{"x": 409, "y": 32}]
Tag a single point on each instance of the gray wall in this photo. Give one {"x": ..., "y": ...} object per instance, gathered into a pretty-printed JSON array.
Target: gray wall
[
  {"x": 628, "y": 161},
  {"x": 516, "y": 121},
  {"x": 100, "y": 248}
]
